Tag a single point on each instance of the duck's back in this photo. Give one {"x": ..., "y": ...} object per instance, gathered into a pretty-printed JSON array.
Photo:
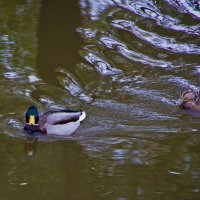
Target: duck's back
[
  {"x": 63, "y": 122},
  {"x": 61, "y": 117}
]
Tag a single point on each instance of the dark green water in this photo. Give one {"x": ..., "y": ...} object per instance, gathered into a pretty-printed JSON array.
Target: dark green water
[{"x": 124, "y": 62}]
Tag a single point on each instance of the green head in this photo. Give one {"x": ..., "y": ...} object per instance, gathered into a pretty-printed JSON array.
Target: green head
[{"x": 32, "y": 115}]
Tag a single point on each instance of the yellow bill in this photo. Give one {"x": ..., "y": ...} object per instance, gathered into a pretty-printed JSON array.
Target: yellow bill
[{"x": 32, "y": 120}]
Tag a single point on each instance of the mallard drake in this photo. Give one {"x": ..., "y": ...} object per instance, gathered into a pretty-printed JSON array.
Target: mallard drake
[
  {"x": 190, "y": 99},
  {"x": 61, "y": 122}
]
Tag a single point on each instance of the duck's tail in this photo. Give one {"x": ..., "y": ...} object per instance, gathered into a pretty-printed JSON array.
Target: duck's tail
[{"x": 82, "y": 116}]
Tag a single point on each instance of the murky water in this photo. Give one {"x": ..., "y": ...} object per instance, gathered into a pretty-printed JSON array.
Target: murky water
[{"x": 124, "y": 62}]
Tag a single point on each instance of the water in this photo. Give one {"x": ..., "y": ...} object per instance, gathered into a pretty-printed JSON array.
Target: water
[{"x": 124, "y": 62}]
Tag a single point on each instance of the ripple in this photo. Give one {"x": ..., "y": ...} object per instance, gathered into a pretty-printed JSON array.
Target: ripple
[
  {"x": 169, "y": 44},
  {"x": 185, "y": 6},
  {"x": 72, "y": 86},
  {"x": 133, "y": 55},
  {"x": 102, "y": 66},
  {"x": 148, "y": 10}
]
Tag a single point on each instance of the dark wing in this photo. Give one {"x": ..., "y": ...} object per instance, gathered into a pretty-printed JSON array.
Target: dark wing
[{"x": 61, "y": 117}]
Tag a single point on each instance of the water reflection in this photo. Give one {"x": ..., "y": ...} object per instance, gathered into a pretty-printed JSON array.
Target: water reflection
[
  {"x": 132, "y": 161},
  {"x": 134, "y": 39},
  {"x": 125, "y": 63},
  {"x": 192, "y": 6},
  {"x": 58, "y": 41},
  {"x": 30, "y": 146},
  {"x": 156, "y": 49}
]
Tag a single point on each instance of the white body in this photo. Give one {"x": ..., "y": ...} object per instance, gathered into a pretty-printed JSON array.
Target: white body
[{"x": 64, "y": 129}]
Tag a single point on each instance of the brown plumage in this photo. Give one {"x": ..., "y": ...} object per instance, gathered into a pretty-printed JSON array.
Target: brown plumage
[{"x": 190, "y": 99}]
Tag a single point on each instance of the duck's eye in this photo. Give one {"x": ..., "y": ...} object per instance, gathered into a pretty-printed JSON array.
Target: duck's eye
[{"x": 32, "y": 120}]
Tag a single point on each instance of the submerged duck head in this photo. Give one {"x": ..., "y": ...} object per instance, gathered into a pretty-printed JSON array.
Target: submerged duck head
[
  {"x": 32, "y": 116},
  {"x": 190, "y": 99},
  {"x": 187, "y": 96}
]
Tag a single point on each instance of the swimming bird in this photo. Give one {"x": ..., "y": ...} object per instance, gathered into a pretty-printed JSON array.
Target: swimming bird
[
  {"x": 190, "y": 99},
  {"x": 61, "y": 122}
]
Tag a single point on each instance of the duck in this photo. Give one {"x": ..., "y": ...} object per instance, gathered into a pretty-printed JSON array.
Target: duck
[
  {"x": 59, "y": 122},
  {"x": 190, "y": 99}
]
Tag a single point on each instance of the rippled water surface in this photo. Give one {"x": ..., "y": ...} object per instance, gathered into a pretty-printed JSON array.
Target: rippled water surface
[{"x": 124, "y": 62}]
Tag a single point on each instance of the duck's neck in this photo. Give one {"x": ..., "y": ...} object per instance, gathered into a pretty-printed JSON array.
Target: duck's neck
[
  {"x": 32, "y": 125},
  {"x": 31, "y": 128}
]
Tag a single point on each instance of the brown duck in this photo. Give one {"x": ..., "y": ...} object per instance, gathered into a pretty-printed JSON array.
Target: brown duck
[{"x": 190, "y": 99}]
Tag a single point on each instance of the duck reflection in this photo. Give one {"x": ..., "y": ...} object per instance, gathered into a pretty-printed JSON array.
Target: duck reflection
[{"x": 30, "y": 146}]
